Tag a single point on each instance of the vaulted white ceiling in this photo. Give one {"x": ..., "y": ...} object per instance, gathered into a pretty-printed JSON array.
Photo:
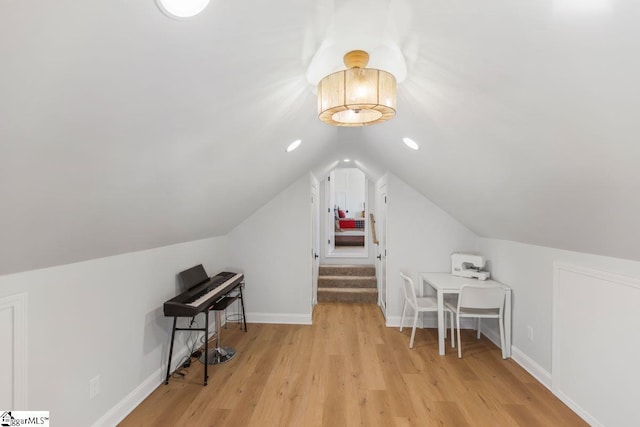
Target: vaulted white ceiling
[{"x": 122, "y": 129}]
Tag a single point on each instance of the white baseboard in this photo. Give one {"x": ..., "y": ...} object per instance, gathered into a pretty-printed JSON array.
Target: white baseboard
[
  {"x": 394, "y": 322},
  {"x": 528, "y": 364},
  {"x": 578, "y": 409},
  {"x": 537, "y": 371},
  {"x": 429, "y": 321},
  {"x": 279, "y": 318},
  {"x": 133, "y": 399}
]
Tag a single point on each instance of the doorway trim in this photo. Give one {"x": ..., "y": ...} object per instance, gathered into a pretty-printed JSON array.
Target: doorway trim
[
  {"x": 381, "y": 232},
  {"x": 315, "y": 239},
  {"x": 329, "y": 230}
]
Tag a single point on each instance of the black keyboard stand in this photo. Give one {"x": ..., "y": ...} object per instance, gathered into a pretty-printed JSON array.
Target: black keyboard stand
[
  {"x": 220, "y": 354},
  {"x": 206, "y": 343}
]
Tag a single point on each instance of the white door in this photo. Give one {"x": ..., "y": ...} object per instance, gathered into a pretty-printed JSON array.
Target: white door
[
  {"x": 330, "y": 224},
  {"x": 315, "y": 239},
  {"x": 381, "y": 256}
]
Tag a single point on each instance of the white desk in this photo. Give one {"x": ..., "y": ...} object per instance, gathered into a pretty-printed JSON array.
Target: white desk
[{"x": 445, "y": 283}]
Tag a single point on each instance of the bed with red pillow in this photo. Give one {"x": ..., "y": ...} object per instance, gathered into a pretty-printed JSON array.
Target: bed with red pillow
[
  {"x": 351, "y": 224},
  {"x": 349, "y": 231}
]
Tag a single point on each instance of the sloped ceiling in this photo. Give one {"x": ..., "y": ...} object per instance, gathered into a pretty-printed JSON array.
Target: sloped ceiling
[{"x": 122, "y": 129}]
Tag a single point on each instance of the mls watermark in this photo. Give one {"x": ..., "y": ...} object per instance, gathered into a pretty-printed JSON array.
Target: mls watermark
[{"x": 24, "y": 418}]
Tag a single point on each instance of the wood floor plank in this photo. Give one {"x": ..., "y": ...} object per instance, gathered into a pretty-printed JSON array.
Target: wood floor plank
[
  {"x": 284, "y": 383},
  {"x": 450, "y": 414},
  {"x": 349, "y": 369},
  {"x": 334, "y": 412},
  {"x": 544, "y": 401},
  {"x": 523, "y": 415},
  {"x": 482, "y": 407},
  {"x": 396, "y": 389},
  {"x": 377, "y": 412}
]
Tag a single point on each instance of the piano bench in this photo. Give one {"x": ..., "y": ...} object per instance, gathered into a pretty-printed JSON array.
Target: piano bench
[{"x": 224, "y": 302}]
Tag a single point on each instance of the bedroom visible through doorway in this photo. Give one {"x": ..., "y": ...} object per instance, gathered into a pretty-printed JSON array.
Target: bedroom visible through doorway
[{"x": 347, "y": 222}]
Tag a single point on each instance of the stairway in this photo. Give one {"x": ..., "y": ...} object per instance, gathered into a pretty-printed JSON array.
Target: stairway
[{"x": 347, "y": 283}]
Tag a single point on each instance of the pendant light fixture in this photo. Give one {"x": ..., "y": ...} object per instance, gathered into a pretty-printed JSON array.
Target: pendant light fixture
[
  {"x": 181, "y": 9},
  {"x": 357, "y": 96}
]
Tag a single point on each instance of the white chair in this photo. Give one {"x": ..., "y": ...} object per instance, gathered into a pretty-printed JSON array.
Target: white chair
[
  {"x": 480, "y": 302},
  {"x": 420, "y": 305}
]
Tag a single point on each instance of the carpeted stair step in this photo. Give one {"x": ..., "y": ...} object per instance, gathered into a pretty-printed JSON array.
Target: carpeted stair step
[
  {"x": 348, "y": 295},
  {"x": 347, "y": 270},
  {"x": 346, "y": 282}
]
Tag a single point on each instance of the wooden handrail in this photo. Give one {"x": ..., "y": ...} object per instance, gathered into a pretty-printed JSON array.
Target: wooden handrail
[{"x": 373, "y": 230}]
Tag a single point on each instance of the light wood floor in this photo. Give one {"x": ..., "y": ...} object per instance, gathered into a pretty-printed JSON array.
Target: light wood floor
[{"x": 348, "y": 369}]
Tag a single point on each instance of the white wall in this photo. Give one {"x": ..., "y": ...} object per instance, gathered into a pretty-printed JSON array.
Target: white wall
[
  {"x": 355, "y": 192},
  {"x": 102, "y": 317},
  {"x": 349, "y": 190},
  {"x": 595, "y": 322},
  {"x": 421, "y": 237},
  {"x": 528, "y": 270},
  {"x": 273, "y": 248}
]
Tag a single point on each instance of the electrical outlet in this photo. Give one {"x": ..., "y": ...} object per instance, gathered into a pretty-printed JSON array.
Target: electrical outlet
[
  {"x": 530, "y": 333},
  {"x": 94, "y": 387}
]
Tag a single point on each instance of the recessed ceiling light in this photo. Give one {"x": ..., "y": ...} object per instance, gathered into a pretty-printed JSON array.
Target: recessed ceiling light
[
  {"x": 182, "y": 8},
  {"x": 411, "y": 143},
  {"x": 293, "y": 145},
  {"x": 347, "y": 160}
]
